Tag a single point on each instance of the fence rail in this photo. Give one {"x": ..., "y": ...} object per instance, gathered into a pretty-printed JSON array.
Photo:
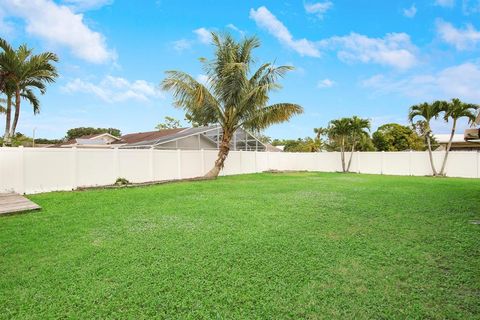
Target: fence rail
[{"x": 34, "y": 170}]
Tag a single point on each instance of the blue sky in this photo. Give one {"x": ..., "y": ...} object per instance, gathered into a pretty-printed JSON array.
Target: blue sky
[{"x": 371, "y": 58}]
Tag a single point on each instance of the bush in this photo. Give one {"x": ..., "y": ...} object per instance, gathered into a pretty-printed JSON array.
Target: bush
[{"x": 122, "y": 182}]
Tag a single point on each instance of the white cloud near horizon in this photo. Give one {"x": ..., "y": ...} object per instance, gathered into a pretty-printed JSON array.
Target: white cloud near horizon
[
  {"x": 318, "y": 8},
  {"x": 410, "y": 12},
  {"x": 266, "y": 20},
  {"x": 460, "y": 81},
  {"x": 325, "y": 83},
  {"x": 115, "y": 89},
  {"x": 394, "y": 50},
  {"x": 462, "y": 39},
  {"x": 58, "y": 25}
]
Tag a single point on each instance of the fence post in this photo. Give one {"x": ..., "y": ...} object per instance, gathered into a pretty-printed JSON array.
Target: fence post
[
  {"x": 74, "y": 168},
  {"x": 255, "y": 161},
  {"x": 268, "y": 160},
  {"x": 358, "y": 161},
  {"x": 381, "y": 162},
  {"x": 116, "y": 164},
  {"x": 179, "y": 161},
  {"x": 202, "y": 160},
  {"x": 478, "y": 164},
  {"x": 152, "y": 164},
  {"x": 410, "y": 163},
  {"x": 241, "y": 162},
  {"x": 21, "y": 177}
]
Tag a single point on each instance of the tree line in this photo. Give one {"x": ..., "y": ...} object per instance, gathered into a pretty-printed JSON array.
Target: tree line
[{"x": 348, "y": 135}]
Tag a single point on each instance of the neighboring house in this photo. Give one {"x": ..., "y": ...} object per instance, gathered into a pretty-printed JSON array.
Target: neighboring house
[
  {"x": 459, "y": 142},
  {"x": 100, "y": 140},
  {"x": 473, "y": 134},
  {"x": 197, "y": 138}
]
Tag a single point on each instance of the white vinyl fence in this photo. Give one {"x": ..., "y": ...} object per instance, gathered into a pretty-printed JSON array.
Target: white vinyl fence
[{"x": 34, "y": 170}]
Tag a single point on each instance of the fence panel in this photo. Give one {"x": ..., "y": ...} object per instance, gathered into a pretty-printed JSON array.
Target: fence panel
[
  {"x": 27, "y": 170},
  {"x": 48, "y": 169}
]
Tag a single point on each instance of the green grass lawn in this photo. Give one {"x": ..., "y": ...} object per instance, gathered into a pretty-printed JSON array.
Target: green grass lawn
[{"x": 298, "y": 245}]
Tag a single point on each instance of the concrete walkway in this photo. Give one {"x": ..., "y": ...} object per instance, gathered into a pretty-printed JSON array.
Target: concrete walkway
[{"x": 13, "y": 202}]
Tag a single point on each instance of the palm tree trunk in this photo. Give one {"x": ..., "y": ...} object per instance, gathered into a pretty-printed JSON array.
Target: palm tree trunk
[
  {"x": 223, "y": 151},
  {"x": 342, "y": 153},
  {"x": 351, "y": 156},
  {"x": 8, "y": 115},
  {"x": 17, "y": 113},
  {"x": 444, "y": 164},
  {"x": 429, "y": 145}
]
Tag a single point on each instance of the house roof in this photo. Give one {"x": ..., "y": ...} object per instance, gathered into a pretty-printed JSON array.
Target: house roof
[
  {"x": 85, "y": 137},
  {"x": 139, "y": 137},
  {"x": 444, "y": 138},
  {"x": 163, "y": 136}
]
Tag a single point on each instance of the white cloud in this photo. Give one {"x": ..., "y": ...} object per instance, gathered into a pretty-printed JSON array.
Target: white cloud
[
  {"x": 318, "y": 8},
  {"x": 83, "y": 5},
  {"x": 115, "y": 89},
  {"x": 325, "y": 83},
  {"x": 445, "y": 3},
  {"x": 461, "y": 39},
  {"x": 182, "y": 44},
  {"x": 202, "y": 78},
  {"x": 203, "y": 35},
  {"x": 235, "y": 28},
  {"x": 395, "y": 49},
  {"x": 410, "y": 12},
  {"x": 460, "y": 81},
  {"x": 266, "y": 20},
  {"x": 470, "y": 6},
  {"x": 59, "y": 25}
]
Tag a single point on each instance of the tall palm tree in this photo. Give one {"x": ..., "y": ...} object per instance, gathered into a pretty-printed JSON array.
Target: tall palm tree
[
  {"x": 456, "y": 109},
  {"x": 233, "y": 97},
  {"x": 339, "y": 131},
  {"x": 24, "y": 71},
  {"x": 427, "y": 111},
  {"x": 358, "y": 129}
]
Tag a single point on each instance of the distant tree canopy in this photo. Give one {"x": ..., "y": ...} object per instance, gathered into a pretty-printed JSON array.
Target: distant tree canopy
[
  {"x": 395, "y": 137},
  {"x": 168, "y": 123},
  {"x": 47, "y": 141},
  {"x": 299, "y": 145},
  {"x": 83, "y": 131},
  {"x": 19, "y": 139}
]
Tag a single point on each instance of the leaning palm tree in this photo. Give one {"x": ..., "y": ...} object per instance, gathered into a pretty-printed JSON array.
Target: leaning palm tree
[
  {"x": 233, "y": 97},
  {"x": 456, "y": 109},
  {"x": 24, "y": 71},
  {"x": 358, "y": 129},
  {"x": 427, "y": 111}
]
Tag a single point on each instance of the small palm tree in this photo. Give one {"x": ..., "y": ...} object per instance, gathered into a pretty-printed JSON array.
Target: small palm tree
[
  {"x": 359, "y": 128},
  {"x": 346, "y": 132},
  {"x": 339, "y": 131},
  {"x": 22, "y": 71},
  {"x": 427, "y": 111},
  {"x": 233, "y": 97},
  {"x": 456, "y": 109}
]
